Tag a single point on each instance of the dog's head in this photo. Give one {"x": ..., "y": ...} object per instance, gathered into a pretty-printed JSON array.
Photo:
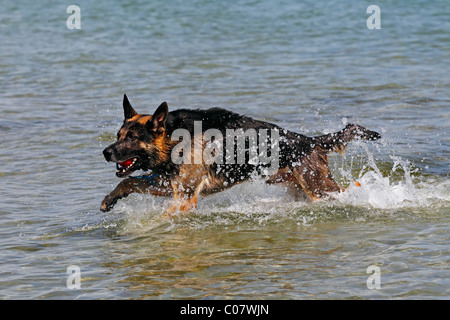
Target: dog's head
[{"x": 141, "y": 141}]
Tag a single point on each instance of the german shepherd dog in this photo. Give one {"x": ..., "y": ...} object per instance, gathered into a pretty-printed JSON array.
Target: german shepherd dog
[{"x": 145, "y": 142}]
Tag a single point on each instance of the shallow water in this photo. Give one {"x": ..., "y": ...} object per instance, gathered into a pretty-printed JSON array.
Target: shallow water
[{"x": 309, "y": 67}]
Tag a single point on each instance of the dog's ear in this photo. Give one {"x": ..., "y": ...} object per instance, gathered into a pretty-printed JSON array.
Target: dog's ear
[
  {"x": 159, "y": 117},
  {"x": 127, "y": 108}
]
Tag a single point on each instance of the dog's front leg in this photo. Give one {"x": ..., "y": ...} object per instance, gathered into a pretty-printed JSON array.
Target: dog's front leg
[
  {"x": 157, "y": 186},
  {"x": 181, "y": 206},
  {"x": 186, "y": 190}
]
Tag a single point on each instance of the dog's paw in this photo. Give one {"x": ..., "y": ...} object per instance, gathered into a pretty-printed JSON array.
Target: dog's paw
[
  {"x": 108, "y": 203},
  {"x": 180, "y": 208}
]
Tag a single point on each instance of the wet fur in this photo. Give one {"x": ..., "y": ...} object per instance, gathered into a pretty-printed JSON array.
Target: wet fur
[{"x": 303, "y": 161}]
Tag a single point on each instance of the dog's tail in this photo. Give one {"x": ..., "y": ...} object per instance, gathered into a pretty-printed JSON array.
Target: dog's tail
[{"x": 336, "y": 142}]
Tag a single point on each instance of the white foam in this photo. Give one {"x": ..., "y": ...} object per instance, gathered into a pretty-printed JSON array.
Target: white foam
[
  {"x": 256, "y": 203},
  {"x": 383, "y": 192},
  {"x": 378, "y": 192}
]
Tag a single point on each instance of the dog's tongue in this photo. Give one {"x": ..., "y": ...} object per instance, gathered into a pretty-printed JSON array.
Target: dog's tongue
[{"x": 126, "y": 163}]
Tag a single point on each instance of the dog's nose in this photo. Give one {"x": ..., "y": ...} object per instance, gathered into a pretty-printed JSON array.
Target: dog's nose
[{"x": 107, "y": 153}]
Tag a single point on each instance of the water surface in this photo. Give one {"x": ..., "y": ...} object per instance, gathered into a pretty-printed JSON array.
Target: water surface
[{"x": 311, "y": 67}]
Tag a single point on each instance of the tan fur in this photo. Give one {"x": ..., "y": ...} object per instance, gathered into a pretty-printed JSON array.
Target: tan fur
[{"x": 140, "y": 118}]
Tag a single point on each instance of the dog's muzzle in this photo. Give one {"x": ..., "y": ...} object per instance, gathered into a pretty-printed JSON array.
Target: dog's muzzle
[{"x": 108, "y": 153}]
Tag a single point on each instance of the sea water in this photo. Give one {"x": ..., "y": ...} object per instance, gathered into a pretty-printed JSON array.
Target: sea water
[{"x": 308, "y": 66}]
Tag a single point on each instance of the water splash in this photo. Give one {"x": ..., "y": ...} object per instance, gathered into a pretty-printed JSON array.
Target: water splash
[
  {"x": 396, "y": 189},
  {"x": 389, "y": 190}
]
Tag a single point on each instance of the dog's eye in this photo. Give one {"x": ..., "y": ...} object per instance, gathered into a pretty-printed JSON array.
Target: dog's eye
[{"x": 130, "y": 136}]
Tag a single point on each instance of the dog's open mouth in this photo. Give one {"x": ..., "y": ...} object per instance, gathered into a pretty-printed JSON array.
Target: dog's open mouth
[{"x": 126, "y": 167}]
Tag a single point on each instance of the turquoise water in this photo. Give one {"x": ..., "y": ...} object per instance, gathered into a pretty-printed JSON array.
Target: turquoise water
[{"x": 310, "y": 67}]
